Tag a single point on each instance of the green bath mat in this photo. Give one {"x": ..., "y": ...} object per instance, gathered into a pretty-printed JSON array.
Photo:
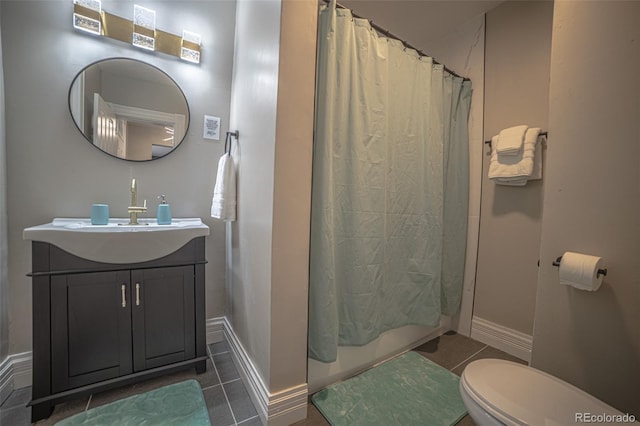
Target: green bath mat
[
  {"x": 407, "y": 390},
  {"x": 178, "y": 404}
]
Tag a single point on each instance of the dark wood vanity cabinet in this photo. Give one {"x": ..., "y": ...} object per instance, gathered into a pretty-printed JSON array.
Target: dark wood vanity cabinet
[
  {"x": 108, "y": 324},
  {"x": 163, "y": 316},
  {"x": 90, "y": 329},
  {"x": 98, "y": 326}
]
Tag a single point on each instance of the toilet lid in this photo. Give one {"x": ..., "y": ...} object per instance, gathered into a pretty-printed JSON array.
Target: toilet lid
[{"x": 520, "y": 395}]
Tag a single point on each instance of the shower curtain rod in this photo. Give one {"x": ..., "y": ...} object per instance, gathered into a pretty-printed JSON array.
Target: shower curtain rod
[{"x": 406, "y": 44}]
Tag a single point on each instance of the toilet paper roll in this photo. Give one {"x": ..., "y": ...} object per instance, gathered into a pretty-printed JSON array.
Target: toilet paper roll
[{"x": 581, "y": 271}]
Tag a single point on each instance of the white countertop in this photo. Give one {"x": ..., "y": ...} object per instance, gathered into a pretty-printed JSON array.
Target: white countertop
[{"x": 117, "y": 242}]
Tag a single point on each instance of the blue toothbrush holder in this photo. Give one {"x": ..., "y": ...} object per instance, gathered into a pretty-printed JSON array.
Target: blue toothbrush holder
[{"x": 99, "y": 214}]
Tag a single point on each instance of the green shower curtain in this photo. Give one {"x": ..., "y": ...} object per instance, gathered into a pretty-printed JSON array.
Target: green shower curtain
[{"x": 390, "y": 187}]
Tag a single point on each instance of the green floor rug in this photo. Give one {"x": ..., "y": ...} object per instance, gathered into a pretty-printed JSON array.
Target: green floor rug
[
  {"x": 407, "y": 390},
  {"x": 178, "y": 404}
]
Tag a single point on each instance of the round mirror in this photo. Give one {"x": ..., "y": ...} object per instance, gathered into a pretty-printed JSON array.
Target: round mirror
[{"x": 129, "y": 109}]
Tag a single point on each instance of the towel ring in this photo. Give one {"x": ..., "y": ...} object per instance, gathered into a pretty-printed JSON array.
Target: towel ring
[{"x": 227, "y": 141}]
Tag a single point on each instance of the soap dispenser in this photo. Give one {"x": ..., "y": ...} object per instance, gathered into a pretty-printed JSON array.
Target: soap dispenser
[{"x": 164, "y": 211}]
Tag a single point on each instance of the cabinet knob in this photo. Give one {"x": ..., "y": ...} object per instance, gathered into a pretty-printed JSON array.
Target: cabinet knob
[{"x": 124, "y": 295}]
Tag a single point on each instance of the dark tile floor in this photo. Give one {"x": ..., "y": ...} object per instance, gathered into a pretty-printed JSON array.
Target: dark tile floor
[{"x": 227, "y": 399}]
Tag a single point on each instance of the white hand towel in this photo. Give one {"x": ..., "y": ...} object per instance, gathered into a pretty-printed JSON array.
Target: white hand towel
[
  {"x": 511, "y": 182},
  {"x": 223, "y": 205},
  {"x": 519, "y": 168},
  {"x": 537, "y": 161},
  {"x": 511, "y": 140}
]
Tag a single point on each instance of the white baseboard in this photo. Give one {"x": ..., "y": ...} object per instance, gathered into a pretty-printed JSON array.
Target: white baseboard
[
  {"x": 22, "y": 369},
  {"x": 215, "y": 330},
  {"x": 6, "y": 379},
  {"x": 500, "y": 337},
  {"x": 274, "y": 409},
  {"x": 15, "y": 373}
]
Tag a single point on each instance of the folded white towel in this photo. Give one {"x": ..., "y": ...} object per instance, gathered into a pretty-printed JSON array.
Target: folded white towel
[
  {"x": 537, "y": 161},
  {"x": 511, "y": 140},
  {"x": 511, "y": 182},
  {"x": 223, "y": 205},
  {"x": 516, "y": 170}
]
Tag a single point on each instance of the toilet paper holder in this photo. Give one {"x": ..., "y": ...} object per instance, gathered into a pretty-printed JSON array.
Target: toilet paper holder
[{"x": 600, "y": 271}]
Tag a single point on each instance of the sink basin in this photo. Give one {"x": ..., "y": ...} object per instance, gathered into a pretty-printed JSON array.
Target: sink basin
[{"x": 117, "y": 242}]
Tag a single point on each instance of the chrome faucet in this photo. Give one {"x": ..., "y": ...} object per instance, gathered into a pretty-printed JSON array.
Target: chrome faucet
[{"x": 134, "y": 209}]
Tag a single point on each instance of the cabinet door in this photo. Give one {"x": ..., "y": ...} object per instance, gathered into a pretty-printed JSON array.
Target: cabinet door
[
  {"x": 163, "y": 316},
  {"x": 90, "y": 328}
]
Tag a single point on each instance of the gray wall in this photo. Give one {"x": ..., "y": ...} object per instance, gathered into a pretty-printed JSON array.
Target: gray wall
[
  {"x": 592, "y": 202},
  {"x": 292, "y": 195},
  {"x": 4, "y": 249},
  {"x": 517, "y": 55},
  {"x": 253, "y": 113},
  {"x": 54, "y": 172},
  {"x": 272, "y": 107},
  {"x": 462, "y": 50}
]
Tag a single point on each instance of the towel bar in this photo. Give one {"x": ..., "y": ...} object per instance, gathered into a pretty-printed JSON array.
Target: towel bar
[
  {"x": 600, "y": 271},
  {"x": 541, "y": 134}
]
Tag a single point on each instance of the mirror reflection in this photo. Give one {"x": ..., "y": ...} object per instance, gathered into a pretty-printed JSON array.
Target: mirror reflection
[{"x": 129, "y": 109}]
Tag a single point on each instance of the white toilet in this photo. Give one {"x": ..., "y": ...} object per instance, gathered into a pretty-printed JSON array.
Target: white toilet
[{"x": 498, "y": 392}]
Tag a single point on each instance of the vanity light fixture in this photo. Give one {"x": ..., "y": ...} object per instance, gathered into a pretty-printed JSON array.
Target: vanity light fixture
[
  {"x": 190, "y": 48},
  {"x": 144, "y": 28},
  {"x": 87, "y": 16},
  {"x": 140, "y": 32}
]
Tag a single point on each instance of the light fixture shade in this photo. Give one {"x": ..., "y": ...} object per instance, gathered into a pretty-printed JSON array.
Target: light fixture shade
[
  {"x": 140, "y": 31},
  {"x": 144, "y": 28},
  {"x": 87, "y": 16},
  {"x": 190, "y": 49}
]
